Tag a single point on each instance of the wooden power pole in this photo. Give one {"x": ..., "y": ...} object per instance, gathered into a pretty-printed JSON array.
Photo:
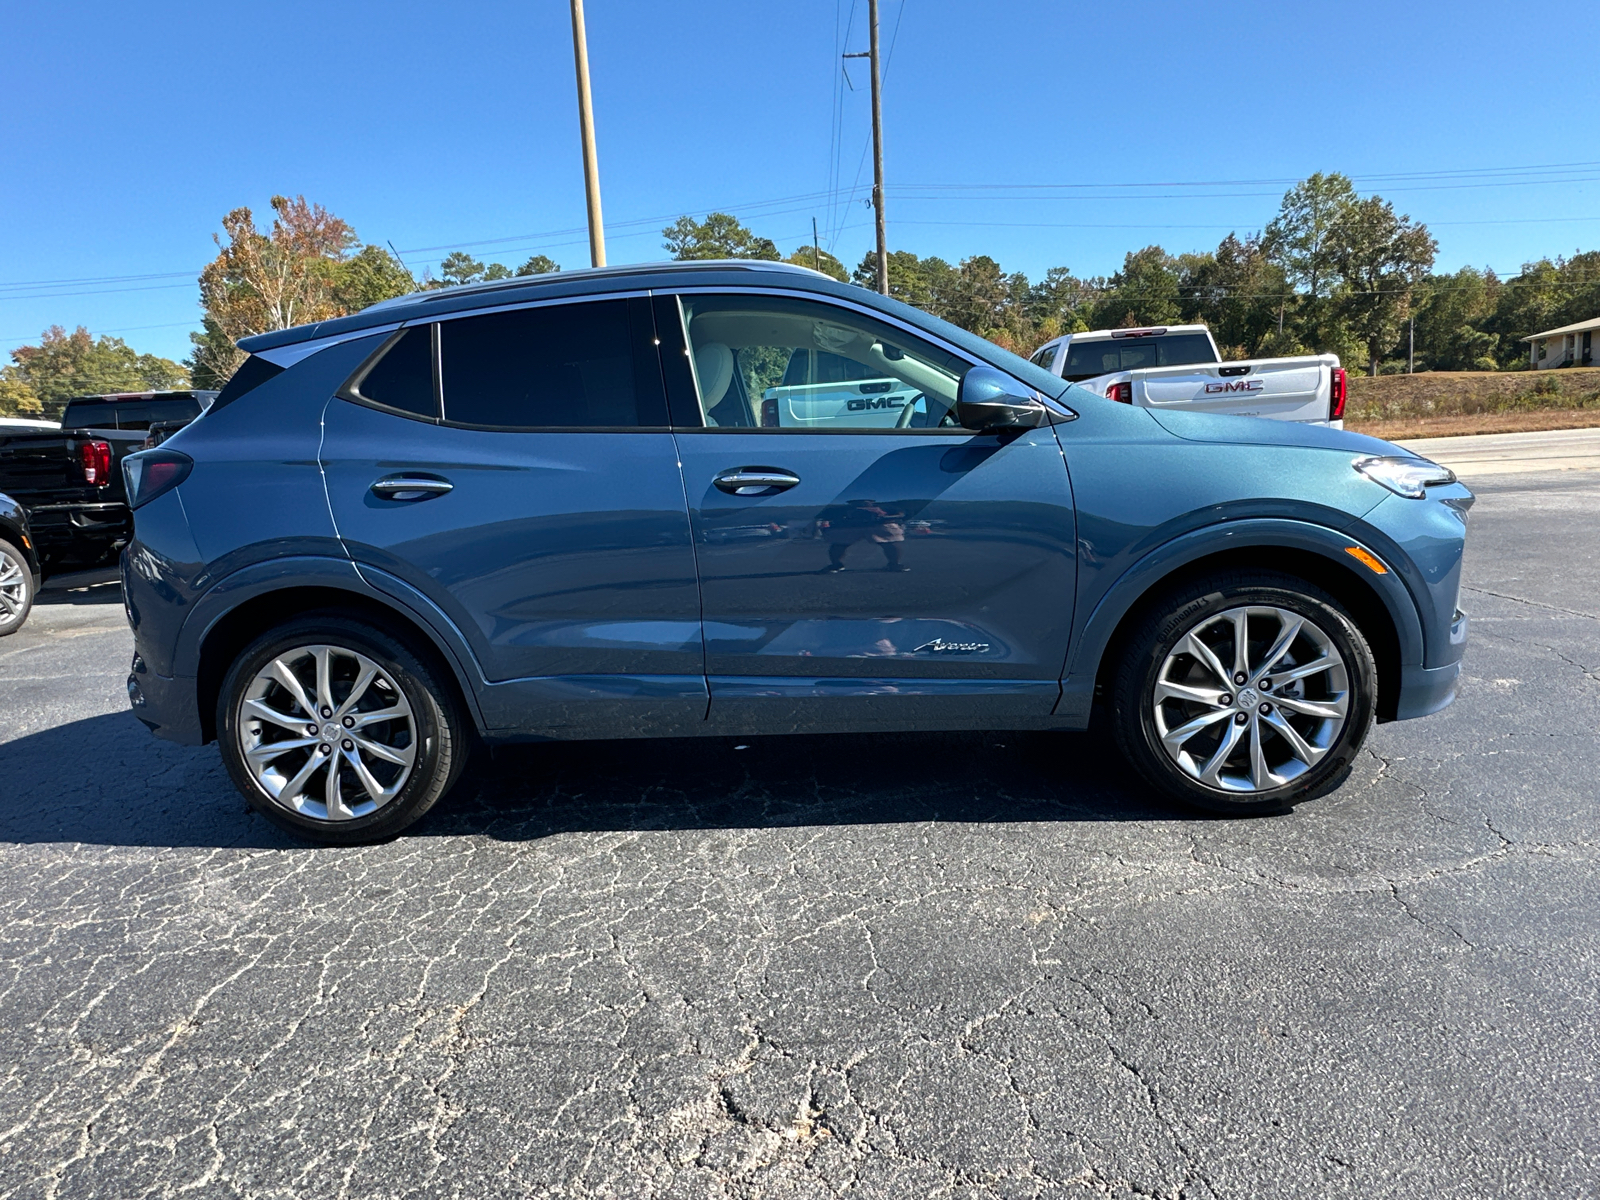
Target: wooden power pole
[
  {"x": 877, "y": 145},
  {"x": 591, "y": 163}
]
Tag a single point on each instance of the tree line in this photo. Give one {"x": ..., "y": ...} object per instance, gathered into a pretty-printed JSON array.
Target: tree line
[{"x": 1331, "y": 272}]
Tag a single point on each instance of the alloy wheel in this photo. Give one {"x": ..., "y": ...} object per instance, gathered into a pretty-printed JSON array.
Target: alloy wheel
[
  {"x": 13, "y": 587},
  {"x": 1251, "y": 698},
  {"x": 326, "y": 733}
]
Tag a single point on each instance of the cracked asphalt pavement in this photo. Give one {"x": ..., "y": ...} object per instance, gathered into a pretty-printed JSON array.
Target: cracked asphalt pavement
[{"x": 963, "y": 966}]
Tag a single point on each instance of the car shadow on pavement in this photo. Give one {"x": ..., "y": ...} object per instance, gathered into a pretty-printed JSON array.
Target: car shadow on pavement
[
  {"x": 106, "y": 781},
  {"x": 530, "y": 792}
]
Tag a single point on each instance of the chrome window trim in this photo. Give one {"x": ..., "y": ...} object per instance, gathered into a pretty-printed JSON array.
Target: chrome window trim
[
  {"x": 287, "y": 356},
  {"x": 587, "y": 297}
]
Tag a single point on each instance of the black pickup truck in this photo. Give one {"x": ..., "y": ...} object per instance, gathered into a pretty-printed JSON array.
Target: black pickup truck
[{"x": 70, "y": 481}]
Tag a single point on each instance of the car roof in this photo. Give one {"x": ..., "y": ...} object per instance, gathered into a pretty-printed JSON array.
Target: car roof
[{"x": 554, "y": 284}]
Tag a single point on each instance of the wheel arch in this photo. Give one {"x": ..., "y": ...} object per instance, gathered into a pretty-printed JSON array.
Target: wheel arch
[
  {"x": 226, "y": 631},
  {"x": 1380, "y": 605}
]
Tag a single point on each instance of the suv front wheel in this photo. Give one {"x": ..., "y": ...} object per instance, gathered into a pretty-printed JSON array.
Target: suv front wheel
[
  {"x": 1245, "y": 693},
  {"x": 338, "y": 733}
]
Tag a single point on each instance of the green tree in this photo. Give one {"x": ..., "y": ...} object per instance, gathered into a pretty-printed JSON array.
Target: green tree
[
  {"x": 1144, "y": 292},
  {"x": 1238, "y": 292},
  {"x": 718, "y": 236},
  {"x": 1379, "y": 258},
  {"x": 64, "y": 365},
  {"x": 1299, "y": 239},
  {"x": 539, "y": 264},
  {"x": 459, "y": 268},
  {"x": 1450, "y": 312},
  {"x": 819, "y": 260},
  {"x": 925, "y": 283},
  {"x": 368, "y": 277},
  {"x": 17, "y": 399},
  {"x": 259, "y": 282}
]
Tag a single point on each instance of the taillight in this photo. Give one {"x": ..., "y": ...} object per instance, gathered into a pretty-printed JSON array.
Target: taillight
[
  {"x": 1122, "y": 393},
  {"x": 1336, "y": 398},
  {"x": 769, "y": 414},
  {"x": 152, "y": 473},
  {"x": 95, "y": 459}
]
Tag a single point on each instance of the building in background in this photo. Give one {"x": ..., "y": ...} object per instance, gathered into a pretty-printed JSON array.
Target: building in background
[{"x": 1568, "y": 346}]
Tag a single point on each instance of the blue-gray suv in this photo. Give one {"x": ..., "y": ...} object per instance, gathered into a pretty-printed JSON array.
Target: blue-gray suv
[{"x": 741, "y": 498}]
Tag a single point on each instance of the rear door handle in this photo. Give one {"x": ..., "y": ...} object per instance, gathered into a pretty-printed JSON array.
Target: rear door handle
[
  {"x": 410, "y": 487},
  {"x": 756, "y": 481}
]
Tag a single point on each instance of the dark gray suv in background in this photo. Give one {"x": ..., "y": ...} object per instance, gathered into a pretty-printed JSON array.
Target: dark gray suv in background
[{"x": 741, "y": 498}]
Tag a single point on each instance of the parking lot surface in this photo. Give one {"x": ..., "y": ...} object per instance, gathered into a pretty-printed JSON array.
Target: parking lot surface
[{"x": 967, "y": 966}]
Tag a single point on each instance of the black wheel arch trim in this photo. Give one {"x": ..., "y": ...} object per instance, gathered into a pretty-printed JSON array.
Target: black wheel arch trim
[
  {"x": 339, "y": 575},
  {"x": 1086, "y": 657}
]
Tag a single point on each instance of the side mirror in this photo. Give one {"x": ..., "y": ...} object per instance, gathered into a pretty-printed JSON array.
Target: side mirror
[{"x": 990, "y": 401}]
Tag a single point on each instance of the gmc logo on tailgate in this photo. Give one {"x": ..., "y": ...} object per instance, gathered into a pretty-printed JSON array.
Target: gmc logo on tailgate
[{"x": 1234, "y": 385}]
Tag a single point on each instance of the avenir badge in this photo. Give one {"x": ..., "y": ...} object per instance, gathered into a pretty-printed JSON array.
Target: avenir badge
[{"x": 940, "y": 646}]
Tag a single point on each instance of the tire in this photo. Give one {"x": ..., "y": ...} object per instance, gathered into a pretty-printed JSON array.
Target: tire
[
  {"x": 16, "y": 588},
  {"x": 391, "y": 769},
  {"x": 1308, "y": 724}
]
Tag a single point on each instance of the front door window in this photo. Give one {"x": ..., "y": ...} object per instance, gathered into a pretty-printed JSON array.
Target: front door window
[{"x": 770, "y": 362}]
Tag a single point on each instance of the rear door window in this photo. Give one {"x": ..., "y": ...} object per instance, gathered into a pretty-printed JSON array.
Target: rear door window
[{"x": 587, "y": 365}]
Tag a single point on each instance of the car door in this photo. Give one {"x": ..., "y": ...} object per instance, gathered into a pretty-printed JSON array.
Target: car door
[
  {"x": 517, "y": 470},
  {"x": 885, "y": 568}
]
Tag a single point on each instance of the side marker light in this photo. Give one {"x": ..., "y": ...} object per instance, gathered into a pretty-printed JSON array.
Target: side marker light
[{"x": 1367, "y": 559}]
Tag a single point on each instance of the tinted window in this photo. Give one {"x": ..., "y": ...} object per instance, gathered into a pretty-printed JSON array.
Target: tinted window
[
  {"x": 1085, "y": 360},
  {"x": 403, "y": 377},
  {"x": 140, "y": 415},
  {"x": 89, "y": 414},
  {"x": 128, "y": 414},
  {"x": 569, "y": 365}
]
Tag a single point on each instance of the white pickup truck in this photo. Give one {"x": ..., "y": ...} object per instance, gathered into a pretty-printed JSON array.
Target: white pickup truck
[{"x": 1178, "y": 367}]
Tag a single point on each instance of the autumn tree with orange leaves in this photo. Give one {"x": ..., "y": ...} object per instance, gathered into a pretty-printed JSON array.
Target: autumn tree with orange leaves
[{"x": 308, "y": 267}]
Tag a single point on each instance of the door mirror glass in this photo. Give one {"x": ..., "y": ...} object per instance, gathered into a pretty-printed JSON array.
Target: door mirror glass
[{"x": 990, "y": 400}]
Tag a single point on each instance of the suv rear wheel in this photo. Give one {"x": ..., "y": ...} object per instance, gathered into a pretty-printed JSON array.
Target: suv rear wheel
[
  {"x": 1245, "y": 693},
  {"x": 337, "y": 732}
]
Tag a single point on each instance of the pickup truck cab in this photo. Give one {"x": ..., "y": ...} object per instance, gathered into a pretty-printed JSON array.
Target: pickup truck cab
[
  {"x": 1178, "y": 367},
  {"x": 68, "y": 478}
]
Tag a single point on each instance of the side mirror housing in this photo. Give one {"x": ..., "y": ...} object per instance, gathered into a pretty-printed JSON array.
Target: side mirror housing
[{"x": 990, "y": 401}]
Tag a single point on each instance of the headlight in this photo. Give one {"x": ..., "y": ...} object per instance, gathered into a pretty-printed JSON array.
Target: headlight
[{"x": 1406, "y": 477}]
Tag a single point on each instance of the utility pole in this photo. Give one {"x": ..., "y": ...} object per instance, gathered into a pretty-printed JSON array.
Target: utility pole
[
  {"x": 591, "y": 164},
  {"x": 877, "y": 146},
  {"x": 1411, "y": 349}
]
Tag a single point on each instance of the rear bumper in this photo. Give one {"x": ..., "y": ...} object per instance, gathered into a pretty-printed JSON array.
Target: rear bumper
[
  {"x": 169, "y": 708},
  {"x": 79, "y": 527}
]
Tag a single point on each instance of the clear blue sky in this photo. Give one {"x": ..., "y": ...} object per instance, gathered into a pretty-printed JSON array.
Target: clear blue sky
[{"x": 131, "y": 129}]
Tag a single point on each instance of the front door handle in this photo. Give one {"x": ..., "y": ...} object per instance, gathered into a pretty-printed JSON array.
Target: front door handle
[
  {"x": 410, "y": 487},
  {"x": 756, "y": 481}
]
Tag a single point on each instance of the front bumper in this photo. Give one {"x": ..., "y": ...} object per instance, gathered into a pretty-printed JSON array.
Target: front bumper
[
  {"x": 169, "y": 708},
  {"x": 1425, "y": 690}
]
